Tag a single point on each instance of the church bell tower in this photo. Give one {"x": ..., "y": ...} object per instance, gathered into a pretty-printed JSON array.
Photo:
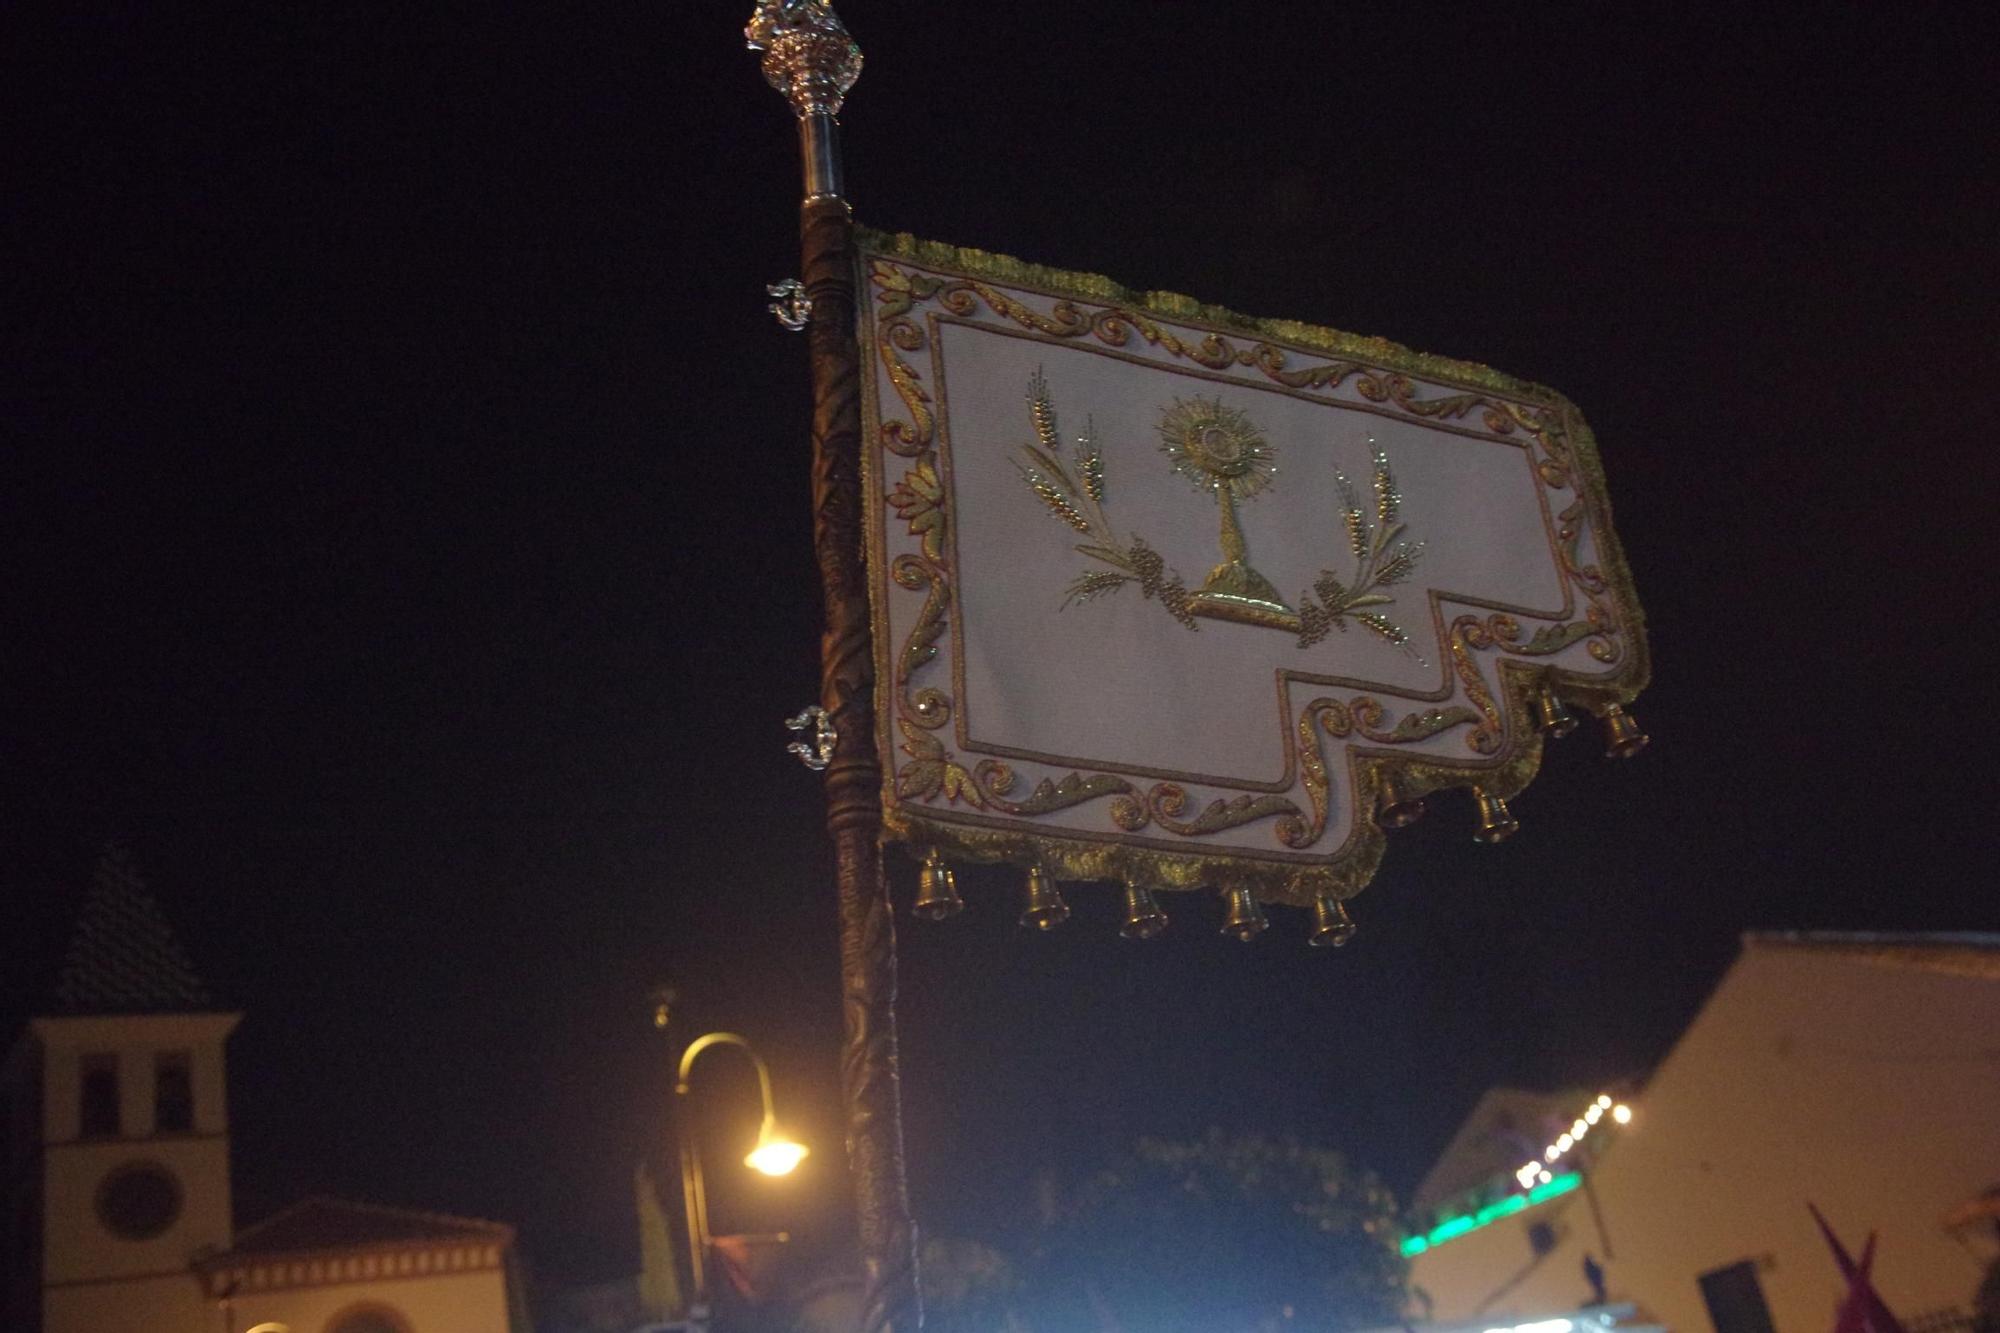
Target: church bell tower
[{"x": 117, "y": 1129}]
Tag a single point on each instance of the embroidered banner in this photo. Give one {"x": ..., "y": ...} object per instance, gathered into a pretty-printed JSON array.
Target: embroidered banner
[{"x": 1169, "y": 596}]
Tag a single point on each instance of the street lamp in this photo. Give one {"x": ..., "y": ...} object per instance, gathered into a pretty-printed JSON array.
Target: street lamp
[{"x": 774, "y": 1155}]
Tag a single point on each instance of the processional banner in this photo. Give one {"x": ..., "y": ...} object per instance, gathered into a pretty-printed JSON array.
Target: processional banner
[{"x": 1169, "y": 596}]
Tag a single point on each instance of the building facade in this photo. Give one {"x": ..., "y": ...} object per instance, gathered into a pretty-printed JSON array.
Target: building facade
[
  {"x": 117, "y": 1162},
  {"x": 1859, "y": 1074}
]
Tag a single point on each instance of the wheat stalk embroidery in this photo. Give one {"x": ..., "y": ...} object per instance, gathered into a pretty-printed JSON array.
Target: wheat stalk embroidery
[
  {"x": 1070, "y": 484},
  {"x": 1381, "y": 560}
]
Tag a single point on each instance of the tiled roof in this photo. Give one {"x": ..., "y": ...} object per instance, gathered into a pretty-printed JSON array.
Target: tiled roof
[
  {"x": 124, "y": 958},
  {"x": 320, "y": 1223}
]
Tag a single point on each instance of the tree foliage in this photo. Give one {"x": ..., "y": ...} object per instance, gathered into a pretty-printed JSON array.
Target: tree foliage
[
  {"x": 969, "y": 1287},
  {"x": 1221, "y": 1234}
]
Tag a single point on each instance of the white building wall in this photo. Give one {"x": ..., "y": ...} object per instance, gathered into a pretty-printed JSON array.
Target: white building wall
[
  {"x": 77, "y": 1247},
  {"x": 1868, "y": 1088},
  {"x": 136, "y": 1039},
  {"x": 454, "y": 1303},
  {"x": 91, "y": 1275},
  {"x": 169, "y": 1304}
]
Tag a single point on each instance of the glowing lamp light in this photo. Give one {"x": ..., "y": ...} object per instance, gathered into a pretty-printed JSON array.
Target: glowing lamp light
[
  {"x": 776, "y": 1155},
  {"x": 1622, "y": 1113},
  {"x": 1564, "y": 1144},
  {"x": 1604, "y": 1101},
  {"x": 1579, "y": 1129}
]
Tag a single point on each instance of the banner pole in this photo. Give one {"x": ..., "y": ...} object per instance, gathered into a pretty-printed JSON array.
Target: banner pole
[{"x": 809, "y": 57}]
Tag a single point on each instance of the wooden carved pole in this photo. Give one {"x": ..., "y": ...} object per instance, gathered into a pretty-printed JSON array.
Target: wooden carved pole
[{"x": 809, "y": 57}]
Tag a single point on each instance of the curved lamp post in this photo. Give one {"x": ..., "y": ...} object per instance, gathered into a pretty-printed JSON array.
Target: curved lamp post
[{"x": 774, "y": 1155}]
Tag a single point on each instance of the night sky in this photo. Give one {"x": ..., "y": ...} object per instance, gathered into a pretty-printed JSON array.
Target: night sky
[{"x": 406, "y": 549}]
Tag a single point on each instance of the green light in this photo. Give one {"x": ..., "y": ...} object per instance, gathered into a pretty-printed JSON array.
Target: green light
[
  {"x": 1514, "y": 1203},
  {"x": 1456, "y": 1226}
]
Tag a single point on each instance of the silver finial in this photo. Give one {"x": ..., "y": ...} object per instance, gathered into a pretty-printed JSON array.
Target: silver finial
[
  {"x": 817, "y": 753},
  {"x": 808, "y": 55}
]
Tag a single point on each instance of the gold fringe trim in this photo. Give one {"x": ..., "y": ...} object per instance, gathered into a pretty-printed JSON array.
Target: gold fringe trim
[
  {"x": 1349, "y": 869},
  {"x": 1098, "y": 288},
  {"x": 1294, "y": 883}
]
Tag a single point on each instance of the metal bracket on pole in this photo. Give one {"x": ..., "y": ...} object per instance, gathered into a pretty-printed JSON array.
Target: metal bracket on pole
[
  {"x": 793, "y": 307},
  {"x": 817, "y": 753}
]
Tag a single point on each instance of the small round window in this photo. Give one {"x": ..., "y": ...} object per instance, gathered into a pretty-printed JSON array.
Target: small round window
[{"x": 139, "y": 1202}]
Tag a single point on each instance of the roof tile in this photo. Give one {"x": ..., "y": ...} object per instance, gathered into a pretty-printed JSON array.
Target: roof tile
[{"x": 124, "y": 958}]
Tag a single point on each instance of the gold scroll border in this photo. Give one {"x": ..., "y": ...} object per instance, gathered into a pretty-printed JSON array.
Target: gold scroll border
[
  {"x": 1620, "y": 687},
  {"x": 1485, "y": 768},
  {"x": 957, "y": 779},
  {"x": 1292, "y": 878},
  {"x": 1286, "y": 677},
  {"x": 1083, "y": 855}
]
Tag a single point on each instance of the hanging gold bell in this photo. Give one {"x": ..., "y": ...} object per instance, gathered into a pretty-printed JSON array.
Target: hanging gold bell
[
  {"x": 1245, "y": 920},
  {"x": 1552, "y": 718},
  {"x": 937, "y": 890},
  {"x": 1496, "y": 822},
  {"x": 1045, "y": 909},
  {"x": 1143, "y": 917},
  {"x": 1622, "y": 737},
  {"x": 1396, "y": 806},
  {"x": 1332, "y": 926}
]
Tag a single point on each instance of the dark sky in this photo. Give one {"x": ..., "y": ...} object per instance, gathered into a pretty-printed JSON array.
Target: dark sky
[{"x": 406, "y": 547}]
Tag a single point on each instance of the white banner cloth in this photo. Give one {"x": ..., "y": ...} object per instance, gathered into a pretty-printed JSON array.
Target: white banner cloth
[{"x": 1165, "y": 595}]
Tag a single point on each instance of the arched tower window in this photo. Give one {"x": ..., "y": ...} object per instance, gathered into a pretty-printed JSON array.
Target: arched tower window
[
  {"x": 99, "y": 1106},
  {"x": 173, "y": 1094}
]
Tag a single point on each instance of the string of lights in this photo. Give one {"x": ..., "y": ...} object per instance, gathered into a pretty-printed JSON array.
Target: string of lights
[{"x": 1537, "y": 1172}]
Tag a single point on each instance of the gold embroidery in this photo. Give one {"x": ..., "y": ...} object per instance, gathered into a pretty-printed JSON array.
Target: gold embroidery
[
  {"x": 1468, "y": 633},
  {"x": 1169, "y": 799},
  {"x": 1217, "y": 449},
  {"x": 1080, "y": 504},
  {"x": 1381, "y": 560},
  {"x": 899, "y": 292},
  {"x": 1113, "y": 327},
  {"x": 967, "y": 823},
  {"x": 1293, "y": 830},
  {"x": 1419, "y": 726},
  {"x": 932, "y": 772},
  {"x": 997, "y": 779},
  {"x": 1130, "y": 813},
  {"x": 970, "y": 837},
  {"x": 1082, "y": 855},
  {"x": 919, "y": 501},
  {"x": 1568, "y": 535},
  {"x": 1502, "y": 631},
  {"x": 1367, "y": 717},
  {"x": 929, "y": 707}
]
